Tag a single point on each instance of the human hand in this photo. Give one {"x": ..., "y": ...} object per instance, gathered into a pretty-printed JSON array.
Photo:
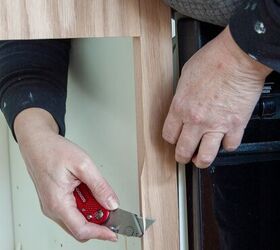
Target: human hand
[
  {"x": 216, "y": 95},
  {"x": 57, "y": 167}
]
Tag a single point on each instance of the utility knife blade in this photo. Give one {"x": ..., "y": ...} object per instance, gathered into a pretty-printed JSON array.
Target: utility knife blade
[{"x": 119, "y": 220}]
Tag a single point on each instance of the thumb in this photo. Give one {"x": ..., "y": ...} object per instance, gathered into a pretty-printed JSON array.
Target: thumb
[{"x": 88, "y": 173}]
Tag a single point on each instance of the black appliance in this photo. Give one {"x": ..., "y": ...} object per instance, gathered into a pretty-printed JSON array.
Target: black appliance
[{"x": 235, "y": 203}]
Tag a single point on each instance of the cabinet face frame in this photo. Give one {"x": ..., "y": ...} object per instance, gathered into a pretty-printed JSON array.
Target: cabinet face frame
[
  {"x": 35, "y": 19},
  {"x": 154, "y": 90},
  {"x": 148, "y": 23}
]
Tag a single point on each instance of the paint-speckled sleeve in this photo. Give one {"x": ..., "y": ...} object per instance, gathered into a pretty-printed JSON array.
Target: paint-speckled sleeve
[
  {"x": 256, "y": 29},
  {"x": 33, "y": 73}
]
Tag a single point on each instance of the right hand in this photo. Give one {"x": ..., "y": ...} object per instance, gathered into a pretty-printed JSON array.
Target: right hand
[
  {"x": 57, "y": 167},
  {"x": 215, "y": 98}
]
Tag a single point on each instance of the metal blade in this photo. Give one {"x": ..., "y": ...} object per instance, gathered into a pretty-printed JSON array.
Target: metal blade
[
  {"x": 148, "y": 223},
  {"x": 126, "y": 223}
]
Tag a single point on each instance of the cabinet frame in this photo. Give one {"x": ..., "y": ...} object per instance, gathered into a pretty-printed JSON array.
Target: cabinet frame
[{"x": 148, "y": 23}]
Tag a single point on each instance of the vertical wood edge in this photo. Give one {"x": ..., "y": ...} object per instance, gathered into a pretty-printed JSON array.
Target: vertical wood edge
[
  {"x": 154, "y": 90},
  {"x": 139, "y": 103}
]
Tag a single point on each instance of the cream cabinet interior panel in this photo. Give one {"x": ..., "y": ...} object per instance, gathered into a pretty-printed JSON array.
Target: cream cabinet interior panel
[
  {"x": 101, "y": 119},
  {"x": 6, "y": 221}
]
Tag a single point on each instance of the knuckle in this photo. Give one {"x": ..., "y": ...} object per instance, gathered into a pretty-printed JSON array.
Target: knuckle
[
  {"x": 83, "y": 241},
  {"x": 45, "y": 211},
  {"x": 184, "y": 68},
  {"x": 177, "y": 105},
  {"x": 236, "y": 121},
  {"x": 79, "y": 235},
  {"x": 52, "y": 207},
  {"x": 205, "y": 160},
  {"x": 84, "y": 165},
  {"x": 182, "y": 157},
  {"x": 167, "y": 137},
  {"x": 102, "y": 189},
  {"x": 195, "y": 117}
]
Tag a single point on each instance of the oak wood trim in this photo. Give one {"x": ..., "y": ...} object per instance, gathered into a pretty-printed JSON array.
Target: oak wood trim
[
  {"x": 154, "y": 90},
  {"x": 33, "y": 19}
]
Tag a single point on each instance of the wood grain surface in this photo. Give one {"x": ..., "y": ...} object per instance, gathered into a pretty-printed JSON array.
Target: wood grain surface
[
  {"x": 154, "y": 90},
  {"x": 29, "y": 19}
]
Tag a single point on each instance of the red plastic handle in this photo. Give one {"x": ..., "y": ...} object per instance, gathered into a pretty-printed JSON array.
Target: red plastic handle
[{"x": 89, "y": 206}]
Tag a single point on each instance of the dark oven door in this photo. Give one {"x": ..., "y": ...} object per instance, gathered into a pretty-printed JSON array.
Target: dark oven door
[{"x": 235, "y": 203}]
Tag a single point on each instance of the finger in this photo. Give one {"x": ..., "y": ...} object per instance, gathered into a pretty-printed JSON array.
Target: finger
[
  {"x": 83, "y": 230},
  {"x": 208, "y": 149},
  {"x": 172, "y": 128},
  {"x": 187, "y": 143},
  {"x": 88, "y": 173},
  {"x": 232, "y": 140}
]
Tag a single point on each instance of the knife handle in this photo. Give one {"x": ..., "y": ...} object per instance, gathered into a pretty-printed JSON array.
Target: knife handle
[{"x": 88, "y": 205}]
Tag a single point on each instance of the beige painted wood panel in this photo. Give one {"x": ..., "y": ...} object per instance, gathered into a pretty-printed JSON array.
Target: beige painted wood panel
[
  {"x": 154, "y": 90},
  {"x": 29, "y": 19},
  {"x": 6, "y": 210}
]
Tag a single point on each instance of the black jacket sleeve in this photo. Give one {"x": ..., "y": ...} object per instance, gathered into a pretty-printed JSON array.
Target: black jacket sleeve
[
  {"x": 256, "y": 29},
  {"x": 33, "y": 73}
]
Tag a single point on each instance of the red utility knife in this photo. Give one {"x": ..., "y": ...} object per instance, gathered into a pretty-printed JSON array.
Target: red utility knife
[{"x": 119, "y": 221}]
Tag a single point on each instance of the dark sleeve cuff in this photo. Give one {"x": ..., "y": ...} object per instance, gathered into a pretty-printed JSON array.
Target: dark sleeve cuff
[
  {"x": 34, "y": 94},
  {"x": 33, "y": 74},
  {"x": 256, "y": 29}
]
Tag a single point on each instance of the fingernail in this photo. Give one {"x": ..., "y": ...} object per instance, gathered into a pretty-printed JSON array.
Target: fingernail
[
  {"x": 112, "y": 203},
  {"x": 230, "y": 149},
  {"x": 115, "y": 238}
]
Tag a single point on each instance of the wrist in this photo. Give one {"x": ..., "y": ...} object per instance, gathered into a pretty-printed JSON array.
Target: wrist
[
  {"x": 245, "y": 63},
  {"x": 32, "y": 122}
]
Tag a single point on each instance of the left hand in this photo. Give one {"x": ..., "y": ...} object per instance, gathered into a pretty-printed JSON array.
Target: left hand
[{"x": 216, "y": 95}]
